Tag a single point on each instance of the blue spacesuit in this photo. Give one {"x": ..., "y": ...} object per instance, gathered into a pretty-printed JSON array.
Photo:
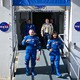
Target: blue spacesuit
[
  {"x": 27, "y": 28},
  {"x": 32, "y": 44},
  {"x": 55, "y": 44}
]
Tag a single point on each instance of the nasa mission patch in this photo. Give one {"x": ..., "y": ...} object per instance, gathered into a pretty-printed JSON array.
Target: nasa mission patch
[{"x": 4, "y": 26}]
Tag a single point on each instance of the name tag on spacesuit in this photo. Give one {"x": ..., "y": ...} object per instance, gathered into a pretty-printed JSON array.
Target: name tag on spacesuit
[{"x": 55, "y": 43}]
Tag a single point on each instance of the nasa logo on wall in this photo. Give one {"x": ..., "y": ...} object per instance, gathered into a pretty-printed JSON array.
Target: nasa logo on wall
[
  {"x": 4, "y": 26},
  {"x": 77, "y": 26}
]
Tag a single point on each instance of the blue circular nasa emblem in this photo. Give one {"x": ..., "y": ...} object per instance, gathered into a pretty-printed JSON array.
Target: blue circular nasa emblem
[
  {"x": 4, "y": 26},
  {"x": 77, "y": 26}
]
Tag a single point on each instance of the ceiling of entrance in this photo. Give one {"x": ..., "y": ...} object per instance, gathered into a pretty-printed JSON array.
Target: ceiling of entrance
[{"x": 35, "y": 8}]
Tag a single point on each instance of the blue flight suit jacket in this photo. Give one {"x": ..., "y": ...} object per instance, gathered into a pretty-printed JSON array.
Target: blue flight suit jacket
[
  {"x": 33, "y": 42},
  {"x": 55, "y": 45}
]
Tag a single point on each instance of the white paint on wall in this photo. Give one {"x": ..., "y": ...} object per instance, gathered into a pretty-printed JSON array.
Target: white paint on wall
[
  {"x": 74, "y": 35},
  {"x": 6, "y": 52}
]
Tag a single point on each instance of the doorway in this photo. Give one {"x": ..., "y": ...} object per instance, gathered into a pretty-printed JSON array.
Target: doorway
[{"x": 38, "y": 18}]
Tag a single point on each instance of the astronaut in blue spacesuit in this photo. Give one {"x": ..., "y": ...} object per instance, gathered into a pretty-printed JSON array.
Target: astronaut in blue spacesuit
[
  {"x": 32, "y": 44},
  {"x": 54, "y": 45},
  {"x": 28, "y": 26}
]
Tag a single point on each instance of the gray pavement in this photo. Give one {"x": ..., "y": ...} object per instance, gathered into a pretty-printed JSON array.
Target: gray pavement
[{"x": 42, "y": 68}]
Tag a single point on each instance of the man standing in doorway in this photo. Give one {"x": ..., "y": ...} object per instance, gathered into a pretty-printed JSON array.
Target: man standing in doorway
[{"x": 46, "y": 30}]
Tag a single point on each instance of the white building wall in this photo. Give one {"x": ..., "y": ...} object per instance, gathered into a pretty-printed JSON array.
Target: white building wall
[
  {"x": 75, "y": 16},
  {"x": 74, "y": 37},
  {"x": 6, "y": 3},
  {"x": 5, "y": 43}
]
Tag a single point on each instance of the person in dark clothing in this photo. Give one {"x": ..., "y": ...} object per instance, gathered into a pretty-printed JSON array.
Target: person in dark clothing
[
  {"x": 22, "y": 28},
  {"x": 29, "y": 26}
]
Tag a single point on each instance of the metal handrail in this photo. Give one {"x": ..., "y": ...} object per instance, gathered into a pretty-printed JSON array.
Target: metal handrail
[
  {"x": 13, "y": 57},
  {"x": 71, "y": 55},
  {"x": 63, "y": 41},
  {"x": 67, "y": 47}
]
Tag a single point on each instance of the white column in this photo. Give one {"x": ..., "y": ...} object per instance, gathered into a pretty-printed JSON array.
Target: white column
[
  {"x": 1, "y": 2},
  {"x": 66, "y": 27}
]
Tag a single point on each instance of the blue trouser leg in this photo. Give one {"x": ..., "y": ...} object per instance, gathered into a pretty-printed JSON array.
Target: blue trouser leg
[
  {"x": 33, "y": 62},
  {"x": 27, "y": 67},
  {"x": 55, "y": 58},
  {"x": 52, "y": 58},
  {"x": 57, "y": 67},
  {"x": 27, "y": 58},
  {"x": 52, "y": 66}
]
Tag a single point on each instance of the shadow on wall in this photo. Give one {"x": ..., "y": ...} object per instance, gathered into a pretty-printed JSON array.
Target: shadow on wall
[
  {"x": 77, "y": 2},
  {"x": 6, "y": 4},
  {"x": 76, "y": 57},
  {"x": 75, "y": 52},
  {"x": 77, "y": 48}
]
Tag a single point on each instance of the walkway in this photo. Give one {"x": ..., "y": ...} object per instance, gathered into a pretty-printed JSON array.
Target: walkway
[{"x": 42, "y": 68}]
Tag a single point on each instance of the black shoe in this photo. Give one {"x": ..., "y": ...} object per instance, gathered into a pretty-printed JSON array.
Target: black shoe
[{"x": 52, "y": 72}]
